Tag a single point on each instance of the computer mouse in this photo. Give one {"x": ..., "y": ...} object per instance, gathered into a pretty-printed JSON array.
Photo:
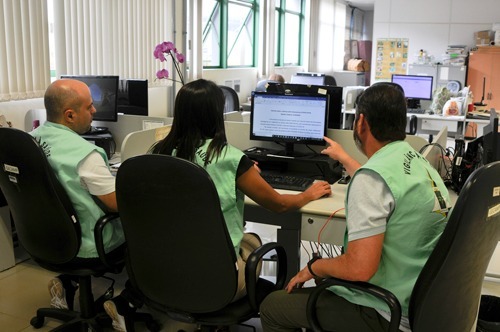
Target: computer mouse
[
  {"x": 431, "y": 112},
  {"x": 345, "y": 180}
]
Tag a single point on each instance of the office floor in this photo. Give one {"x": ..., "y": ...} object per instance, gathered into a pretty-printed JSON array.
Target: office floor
[{"x": 23, "y": 289}]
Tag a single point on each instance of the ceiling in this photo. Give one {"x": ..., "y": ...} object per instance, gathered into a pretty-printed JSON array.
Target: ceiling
[{"x": 366, "y": 5}]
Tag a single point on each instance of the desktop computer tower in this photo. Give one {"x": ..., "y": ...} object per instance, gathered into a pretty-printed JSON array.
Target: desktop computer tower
[{"x": 104, "y": 141}]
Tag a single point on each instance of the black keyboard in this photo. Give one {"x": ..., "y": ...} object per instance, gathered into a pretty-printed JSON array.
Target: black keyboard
[
  {"x": 97, "y": 131},
  {"x": 289, "y": 182},
  {"x": 415, "y": 111}
]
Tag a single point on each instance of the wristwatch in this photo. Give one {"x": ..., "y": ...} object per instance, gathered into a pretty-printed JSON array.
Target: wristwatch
[{"x": 310, "y": 263}]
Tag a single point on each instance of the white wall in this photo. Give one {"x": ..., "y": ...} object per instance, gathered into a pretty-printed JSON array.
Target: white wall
[
  {"x": 158, "y": 101},
  {"x": 432, "y": 25},
  {"x": 246, "y": 76}
]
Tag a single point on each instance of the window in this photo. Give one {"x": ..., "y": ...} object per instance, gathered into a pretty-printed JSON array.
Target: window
[
  {"x": 102, "y": 37},
  {"x": 229, "y": 33},
  {"x": 24, "y": 58},
  {"x": 353, "y": 32},
  {"x": 289, "y": 32}
]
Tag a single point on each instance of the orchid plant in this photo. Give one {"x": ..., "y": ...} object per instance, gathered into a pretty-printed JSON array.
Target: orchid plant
[{"x": 161, "y": 52}]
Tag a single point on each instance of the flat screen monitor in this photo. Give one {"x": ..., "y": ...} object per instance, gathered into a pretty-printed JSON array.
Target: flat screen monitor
[
  {"x": 416, "y": 88},
  {"x": 308, "y": 79},
  {"x": 334, "y": 92},
  {"x": 491, "y": 139},
  {"x": 104, "y": 91},
  {"x": 289, "y": 119},
  {"x": 133, "y": 96}
]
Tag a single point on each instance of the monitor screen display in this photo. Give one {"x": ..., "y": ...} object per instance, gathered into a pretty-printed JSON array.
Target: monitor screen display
[
  {"x": 289, "y": 119},
  {"x": 104, "y": 91},
  {"x": 308, "y": 79},
  {"x": 334, "y": 93},
  {"x": 415, "y": 86},
  {"x": 133, "y": 96}
]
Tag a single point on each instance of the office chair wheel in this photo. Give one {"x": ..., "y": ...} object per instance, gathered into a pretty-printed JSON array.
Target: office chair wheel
[{"x": 37, "y": 322}]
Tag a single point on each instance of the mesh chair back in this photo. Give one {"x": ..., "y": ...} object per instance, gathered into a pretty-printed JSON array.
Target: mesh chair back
[
  {"x": 447, "y": 292},
  {"x": 232, "y": 101},
  {"x": 43, "y": 214},
  {"x": 180, "y": 255}
]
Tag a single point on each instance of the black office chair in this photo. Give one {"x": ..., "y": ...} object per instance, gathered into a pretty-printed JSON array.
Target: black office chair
[
  {"x": 330, "y": 80},
  {"x": 447, "y": 292},
  {"x": 180, "y": 257},
  {"x": 232, "y": 100},
  {"x": 412, "y": 125},
  {"x": 48, "y": 228}
]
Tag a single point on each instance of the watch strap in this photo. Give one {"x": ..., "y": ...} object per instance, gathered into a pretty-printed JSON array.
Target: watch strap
[{"x": 309, "y": 266}]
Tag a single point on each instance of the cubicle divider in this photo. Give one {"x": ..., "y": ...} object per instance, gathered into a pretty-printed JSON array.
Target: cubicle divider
[
  {"x": 139, "y": 142},
  {"x": 434, "y": 153},
  {"x": 133, "y": 139},
  {"x": 127, "y": 124}
]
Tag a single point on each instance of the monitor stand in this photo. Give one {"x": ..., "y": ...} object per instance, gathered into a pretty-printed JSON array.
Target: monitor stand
[
  {"x": 413, "y": 103},
  {"x": 290, "y": 153}
]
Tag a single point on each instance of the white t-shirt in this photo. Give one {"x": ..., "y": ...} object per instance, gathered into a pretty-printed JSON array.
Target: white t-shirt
[
  {"x": 370, "y": 205},
  {"x": 95, "y": 175}
]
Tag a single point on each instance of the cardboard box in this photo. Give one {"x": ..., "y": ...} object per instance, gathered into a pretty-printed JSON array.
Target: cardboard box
[
  {"x": 484, "y": 37},
  {"x": 358, "y": 65}
]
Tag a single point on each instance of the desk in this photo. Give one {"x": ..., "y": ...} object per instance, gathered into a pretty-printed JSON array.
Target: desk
[
  {"x": 431, "y": 124},
  {"x": 303, "y": 224}
]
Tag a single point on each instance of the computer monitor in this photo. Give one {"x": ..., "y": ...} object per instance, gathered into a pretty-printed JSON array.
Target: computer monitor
[
  {"x": 289, "y": 119},
  {"x": 104, "y": 91},
  {"x": 308, "y": 79},
  {"x": 491, "y": 139},
  {"x": 416, "y": 88},
  {"x": 133, "y": 96},
  {"x": 335, "y": 94}
]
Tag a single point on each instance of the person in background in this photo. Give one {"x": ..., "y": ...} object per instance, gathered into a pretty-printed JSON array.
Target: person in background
[
  {"x": 273, "y": 78},
  {"x": 198, "y": 135},
  {"x": 276, "y": 78},
  {"x": 396, "y": 211},
  {"x": 83, "y": 170}
]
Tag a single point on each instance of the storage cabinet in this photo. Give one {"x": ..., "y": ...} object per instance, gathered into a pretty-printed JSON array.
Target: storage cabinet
[
  {"x": 484, "y": 66},
  {"x": 349, "y": 78}
]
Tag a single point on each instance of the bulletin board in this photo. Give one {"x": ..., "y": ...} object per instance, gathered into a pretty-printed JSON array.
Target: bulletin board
[{"x": 392, "y": 57}]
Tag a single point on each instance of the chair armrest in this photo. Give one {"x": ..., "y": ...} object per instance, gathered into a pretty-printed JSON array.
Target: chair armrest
[
  {"x": 99, "y": 239},
  {"x": 379, "y": 292},
  {"x": 253, "y": 261}
]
